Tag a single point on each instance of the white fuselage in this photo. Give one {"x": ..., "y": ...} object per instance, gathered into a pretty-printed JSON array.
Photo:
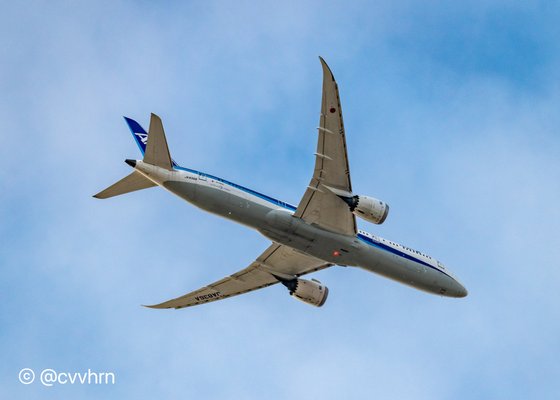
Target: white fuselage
[{"x": 274, "y": 219}]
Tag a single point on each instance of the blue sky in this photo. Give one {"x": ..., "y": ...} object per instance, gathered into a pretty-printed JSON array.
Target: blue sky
[{"x": 451, "y": 114}]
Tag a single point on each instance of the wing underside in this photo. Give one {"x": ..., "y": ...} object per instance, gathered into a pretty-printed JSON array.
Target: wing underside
[
  {"x": 319, "y": 204},
  {"x": 277, "y": 260}
]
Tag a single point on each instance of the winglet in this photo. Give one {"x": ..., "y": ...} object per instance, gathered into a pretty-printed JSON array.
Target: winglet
[{"x": 326, "y": 70}]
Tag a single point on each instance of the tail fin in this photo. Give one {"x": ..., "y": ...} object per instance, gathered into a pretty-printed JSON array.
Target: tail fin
[
  {"x": 155, "y": 151},
  {"x": 130, "y": 183},
  {"x": 139, "y": 134}
]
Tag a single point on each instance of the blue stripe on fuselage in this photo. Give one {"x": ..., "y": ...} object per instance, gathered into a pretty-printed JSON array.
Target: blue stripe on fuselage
[
  {"x": 399, "y": 253},
  {"x": 243, "y": 188},
  {"x": 292, "y": 208}
]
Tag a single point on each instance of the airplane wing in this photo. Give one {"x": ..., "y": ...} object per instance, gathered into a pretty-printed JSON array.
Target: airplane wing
[
  {"x": 277, "y": 260},
  {"x": 319, "y": 204}
]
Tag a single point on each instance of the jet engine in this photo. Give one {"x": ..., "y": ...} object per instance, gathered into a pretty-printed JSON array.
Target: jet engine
[
  {"x": 368, "y": 208},
  {"x": 311, "y": 292}
]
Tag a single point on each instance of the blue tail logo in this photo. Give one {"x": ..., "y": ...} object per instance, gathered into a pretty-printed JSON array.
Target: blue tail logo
[
  {"x": 143, "y": 137},
  {"x": 139, "y": 134}
]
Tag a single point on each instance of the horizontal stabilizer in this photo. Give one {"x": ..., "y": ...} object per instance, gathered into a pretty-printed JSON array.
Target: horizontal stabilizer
[
  {"x": 131, "y": 183},
  {"x": 157, "y": 151}
]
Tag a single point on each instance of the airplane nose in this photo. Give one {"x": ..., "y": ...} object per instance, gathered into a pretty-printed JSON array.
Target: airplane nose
[{"x": 460, "y": 291}]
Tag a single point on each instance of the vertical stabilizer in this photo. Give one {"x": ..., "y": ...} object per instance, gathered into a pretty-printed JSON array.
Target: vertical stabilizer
[
  {"x": 139, "y": 134},
  {"x": 153, "y": 146}
]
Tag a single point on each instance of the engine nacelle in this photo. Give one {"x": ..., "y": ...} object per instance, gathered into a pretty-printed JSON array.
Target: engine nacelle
[
  {"x": 368, "y": 208},
  {"x": 311, "y": 292}
]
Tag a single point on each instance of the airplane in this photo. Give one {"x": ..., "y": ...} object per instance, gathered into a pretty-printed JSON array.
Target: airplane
[{"x": 318, "y": 233}]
